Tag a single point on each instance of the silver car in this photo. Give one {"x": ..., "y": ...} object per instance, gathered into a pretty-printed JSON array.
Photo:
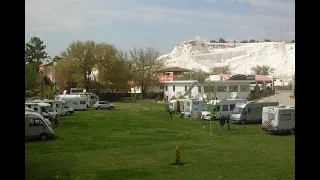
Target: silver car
[{"x": 103, "y": 105}]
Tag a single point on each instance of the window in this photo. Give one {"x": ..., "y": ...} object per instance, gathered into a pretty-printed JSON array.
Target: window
[
  {"x": 74, "y": 102},
  {"x": 225, "y": 108},
  {"x": 244, "y": 88},
  {"x": 82, "y": 102},
  {"x": 35, "y": 109},
  {"x": 209, "y": 88},
  {"x": 199, "y": 89},
  {"x": 92, "y": 97},
  {"x": 233, "y": 88},
  {"x": 43, "y": 109},
  {"x": 258, "y": 109},
  {"x": 221, "y": 88},
  {"x": 196, "y": 103},
  {"x": 166, "y": 88},
  {"x": 174, "y": 88},
  {"x": 188, "y": 104},
  {"x": 232, "y": 107},
  {"x": 285, "y": 117},
  {"x": 35, "y": 122},
  {"x": 249, "y": 110},
  {"x": 102, "y": 102},
  {"x": 271, "y": 117},
  {"x": 185, "y": 88}
]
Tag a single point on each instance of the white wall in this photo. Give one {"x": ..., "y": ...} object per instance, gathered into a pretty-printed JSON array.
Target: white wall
[{"x": 180, "y": 87}]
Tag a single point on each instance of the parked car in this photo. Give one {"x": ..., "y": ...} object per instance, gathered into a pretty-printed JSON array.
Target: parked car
[{"x": 103, "y": 105}]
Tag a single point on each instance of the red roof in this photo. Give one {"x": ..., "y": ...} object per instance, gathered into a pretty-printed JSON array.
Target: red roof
[
  {"x": 176, "y": 69},
  {"x": 262, "y": 78},
  {"x": 225, "y": 76}
]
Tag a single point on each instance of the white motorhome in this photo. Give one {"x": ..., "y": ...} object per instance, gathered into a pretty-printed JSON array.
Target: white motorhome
[
  {"x": 192, "y": 106},
  {"x": 278, "y": 119},
  {"x": 76, "y": 90},
  {"x": 44, "y": 109},
  {"x": 223, "y": 107},
  {"x": 176, "y": 105},
  {"x": 76, "y": 102},
  {"x": 249, "y": 112},
  {"x": 92, "y": 98},
  {"x": 36, "y": 126},
  {"x": 58, "y": 105}
]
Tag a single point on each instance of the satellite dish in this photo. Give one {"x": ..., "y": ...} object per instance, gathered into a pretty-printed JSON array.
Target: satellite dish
[
  {"x": 65, "y": 92},
  {"x": 84, "y": 90},
  {"x": 234, "y": 95}
]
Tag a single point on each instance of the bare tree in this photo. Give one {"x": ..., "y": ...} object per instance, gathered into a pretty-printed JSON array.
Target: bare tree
[
  {"x": 220, "y": 70},
  {"x": 145, "y": 66}
]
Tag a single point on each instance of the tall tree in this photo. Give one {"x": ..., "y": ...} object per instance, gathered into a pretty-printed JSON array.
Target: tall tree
[
  {"x": 114, "y": 67},
  {"x": 81, "y": 57},
  {"x": 31, "y": 77},
  {"x": 145, "y": 66},
  {"x": 262, "y": 70},
  {"x": 221, "y": 70},
  {"x": 35, "y": 51}
]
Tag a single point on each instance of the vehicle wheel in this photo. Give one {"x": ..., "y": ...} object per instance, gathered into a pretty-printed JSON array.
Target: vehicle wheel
[
  {"x": 111, "y": 107},
  {"x": 43, "y": 137},
  {"x": 99, "y": 108},
  {"x": 243, "y": 122},
  {"x": 292, "y": 131},
  {"x": 68, "y": 113}
]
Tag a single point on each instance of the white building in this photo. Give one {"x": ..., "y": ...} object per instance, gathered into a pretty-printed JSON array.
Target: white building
[{"x": 224, "y": 88}]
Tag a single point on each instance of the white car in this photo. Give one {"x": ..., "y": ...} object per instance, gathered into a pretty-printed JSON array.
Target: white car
[
  {"x": 205, "y": 115},
  {"x": 103, "y": 105}
]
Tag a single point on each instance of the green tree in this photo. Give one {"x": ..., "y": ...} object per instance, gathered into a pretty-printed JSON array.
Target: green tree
[
  {"x": 31, "y": 77},
  {"x": 221, "y": 70},
  {"x": 262, "y": 70},
  {"x": 145, "y": 67},
  {"x": 114, "y": 67},
  {"x": 81, "y": 58},
  {"x": 35, "y": 51}
]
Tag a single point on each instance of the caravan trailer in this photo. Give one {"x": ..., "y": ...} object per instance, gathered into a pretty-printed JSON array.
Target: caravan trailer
[
  {"x": 223, "y": 107},
  {"x": 76, "y": 102},
  {"x": 278, "y": 119},
  {"x": 36, "y": 126},
  {"x": 58, "y": 106},
  {"x": 249, "y": 112},
  {"x": 176, "y": 105},
  {"x": 192, "y": 106},
  {"x": 44, "y": 109}
]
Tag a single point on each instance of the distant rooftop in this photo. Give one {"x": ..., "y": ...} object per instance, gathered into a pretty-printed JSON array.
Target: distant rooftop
[{"x": 176, "y": 69}]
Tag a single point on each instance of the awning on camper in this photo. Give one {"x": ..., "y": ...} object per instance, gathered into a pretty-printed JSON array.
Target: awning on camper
[{"x": 261, "y": 78}]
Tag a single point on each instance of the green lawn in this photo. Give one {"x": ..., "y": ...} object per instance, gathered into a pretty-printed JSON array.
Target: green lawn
[{"x": 120, "y": 144}]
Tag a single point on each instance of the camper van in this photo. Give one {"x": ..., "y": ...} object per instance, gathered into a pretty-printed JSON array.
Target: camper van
[
  {"x": 44, "y": 109},
  {"x": 76, "y": 102},
  {"x": 278, "y": 119},
  {"x": 92, "y": 98},
  {"x": 192, "y": 106},
  {"x": 176, "y": 105},
  {"x": 58, "y": 106},
  {"x": 36, "y": 126},
  {"x": 223, "y": 107},
  {"x": 249, "y": 112}
]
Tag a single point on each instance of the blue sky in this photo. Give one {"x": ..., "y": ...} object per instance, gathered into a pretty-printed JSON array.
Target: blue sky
[{"x": 158, "y": 23}]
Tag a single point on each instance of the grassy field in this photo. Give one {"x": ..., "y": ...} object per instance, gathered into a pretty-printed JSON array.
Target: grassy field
[{"x": 122, "y": 144}]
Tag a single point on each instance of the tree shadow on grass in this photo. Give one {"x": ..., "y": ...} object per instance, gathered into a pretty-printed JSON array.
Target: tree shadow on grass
[{"x": 123, "y": 174}]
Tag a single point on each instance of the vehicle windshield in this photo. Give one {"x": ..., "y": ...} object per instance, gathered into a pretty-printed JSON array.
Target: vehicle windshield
[
  {"x": 49, "y": 109},
  {"x": 65, "y": 106},
  {"x": 237, "y": 110}
]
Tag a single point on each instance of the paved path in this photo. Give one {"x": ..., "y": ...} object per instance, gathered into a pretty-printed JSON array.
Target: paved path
[{"x": 283, "y": 97}]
